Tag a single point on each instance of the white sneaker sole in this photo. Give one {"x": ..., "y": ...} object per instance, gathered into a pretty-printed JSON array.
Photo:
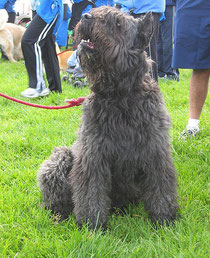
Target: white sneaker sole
[{"x": 33, "y": 95}]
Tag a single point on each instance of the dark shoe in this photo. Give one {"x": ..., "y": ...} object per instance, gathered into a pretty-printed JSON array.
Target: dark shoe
[
  {"x": 162, "y": 77},
  {"x": 173, "y": 77}
]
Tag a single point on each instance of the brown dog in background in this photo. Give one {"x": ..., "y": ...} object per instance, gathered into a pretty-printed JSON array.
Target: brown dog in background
[
  {"x": 10, "y": 38},
  {"x": 63, "y": 57}
]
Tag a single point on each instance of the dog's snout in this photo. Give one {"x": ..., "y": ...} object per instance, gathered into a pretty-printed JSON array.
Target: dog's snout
[{"x": 86, "y": 16}]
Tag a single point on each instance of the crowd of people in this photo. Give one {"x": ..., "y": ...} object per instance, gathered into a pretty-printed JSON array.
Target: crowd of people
[{"x": 181, "y": 40}]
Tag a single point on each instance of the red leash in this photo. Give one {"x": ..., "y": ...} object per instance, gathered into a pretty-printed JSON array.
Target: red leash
[
  {"x": 70, "y": 49},
  {"x": 71, "y": 103}
]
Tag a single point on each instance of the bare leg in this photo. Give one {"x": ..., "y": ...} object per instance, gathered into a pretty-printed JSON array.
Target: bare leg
[{"x": 198, "y": 92}]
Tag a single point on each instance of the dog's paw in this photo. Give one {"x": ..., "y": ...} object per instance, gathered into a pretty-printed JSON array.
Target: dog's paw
[{"x": 163, "y": 220}]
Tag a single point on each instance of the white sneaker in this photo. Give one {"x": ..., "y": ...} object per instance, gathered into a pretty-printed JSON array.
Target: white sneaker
[
  {"x": 189, "y": 133},
  {"x": 44, "y": 92},
  {"x": 30, "y": 93},
  {"x": 33, "y": 93}
]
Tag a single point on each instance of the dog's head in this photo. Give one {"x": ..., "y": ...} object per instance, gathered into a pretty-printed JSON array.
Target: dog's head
[{"x": 111, "y": 40}]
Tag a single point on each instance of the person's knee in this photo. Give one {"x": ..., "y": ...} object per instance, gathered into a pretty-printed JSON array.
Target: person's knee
[
  {"x": 201, "y": 72},
  {"x": 27, "y": 39}
]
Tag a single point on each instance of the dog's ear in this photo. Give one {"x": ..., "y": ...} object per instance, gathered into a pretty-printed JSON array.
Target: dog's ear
[
  {"x": 148, "y": 25},
  {"x": 145, "y": 30}
]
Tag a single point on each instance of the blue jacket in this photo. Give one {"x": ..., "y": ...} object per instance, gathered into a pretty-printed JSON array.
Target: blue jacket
[
  {"x": 8, "y": 5},
  {"x": 47, "y": 10},
  {"x": 104, "y": 2},
  {"x": 62, "y": 33},
  {"x": 142, "y": 6},
  {"x": 97, "y": 3}
]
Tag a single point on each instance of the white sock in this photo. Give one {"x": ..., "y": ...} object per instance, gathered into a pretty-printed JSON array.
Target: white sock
[{"x": 193, "y": 124}]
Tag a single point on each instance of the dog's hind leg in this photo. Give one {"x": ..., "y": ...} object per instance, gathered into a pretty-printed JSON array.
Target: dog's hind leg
[
  {"x": 18, "y": 52},
  {"x": 53, "y": 182},
  {"x": 8, "y": 51}
]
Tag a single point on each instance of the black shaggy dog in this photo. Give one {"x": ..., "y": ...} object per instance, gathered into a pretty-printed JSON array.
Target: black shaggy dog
[{"x": 122, "y": 154}]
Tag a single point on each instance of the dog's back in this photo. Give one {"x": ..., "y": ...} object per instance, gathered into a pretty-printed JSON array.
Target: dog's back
[
  {"x": 62, "y": 58},
  {"x": 3, "y": 18},
  {"x": 10, "y": 37},
  {"x": 17, "y": 32}
]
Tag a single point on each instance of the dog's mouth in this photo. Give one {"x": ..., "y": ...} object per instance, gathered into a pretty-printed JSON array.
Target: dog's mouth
[{"x": 87, "y": 43}]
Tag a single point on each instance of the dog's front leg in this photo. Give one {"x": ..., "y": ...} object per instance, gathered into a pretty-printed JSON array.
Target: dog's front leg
[
  {"x": 91, "y": 184},
  {"x": 160, "y": 195}
]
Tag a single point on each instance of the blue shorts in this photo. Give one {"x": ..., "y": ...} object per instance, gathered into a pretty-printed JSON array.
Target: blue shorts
[{"x": 192, "y": 40}]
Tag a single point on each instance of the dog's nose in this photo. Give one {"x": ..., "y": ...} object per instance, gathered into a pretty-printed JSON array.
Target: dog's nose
[{"x": 86, "y": 16}]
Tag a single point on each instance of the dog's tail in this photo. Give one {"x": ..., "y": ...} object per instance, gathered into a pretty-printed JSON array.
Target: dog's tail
[{"x": 3, "y": 18}]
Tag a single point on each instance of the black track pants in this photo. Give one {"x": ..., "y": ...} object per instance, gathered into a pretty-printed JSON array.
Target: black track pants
[{"x": 38, "y": 46}]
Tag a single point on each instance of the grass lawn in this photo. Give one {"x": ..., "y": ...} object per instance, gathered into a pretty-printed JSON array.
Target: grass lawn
[{"x": 27, "y": 137}]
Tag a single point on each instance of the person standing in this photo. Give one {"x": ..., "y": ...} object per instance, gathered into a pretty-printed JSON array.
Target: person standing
[
  {"x": 165, "y": 44},
  {"x": 38, "y": 46},
  {"x": 137, "y": 9},
  {"x": 192, "y": 51}
]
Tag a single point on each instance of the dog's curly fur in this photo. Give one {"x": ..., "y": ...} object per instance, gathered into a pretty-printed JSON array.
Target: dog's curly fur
[{"x": 122, "y": 154}]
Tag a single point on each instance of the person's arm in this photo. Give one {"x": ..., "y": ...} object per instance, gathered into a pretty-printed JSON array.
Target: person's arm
[{"x": 2, "y": 3}]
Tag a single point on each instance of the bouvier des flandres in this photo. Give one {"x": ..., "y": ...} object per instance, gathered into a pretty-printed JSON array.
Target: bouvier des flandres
[{"x": 122, "y": 154}]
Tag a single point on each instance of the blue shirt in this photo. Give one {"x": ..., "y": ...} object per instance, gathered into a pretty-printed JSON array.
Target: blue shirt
[
  {"x": 8, "y": 5},
  {"x": 104, "y": 2},
  {"x": 98, "y": 3},
  {"x": 47, "y": 10},
  {"x": 142, "y": 6}
]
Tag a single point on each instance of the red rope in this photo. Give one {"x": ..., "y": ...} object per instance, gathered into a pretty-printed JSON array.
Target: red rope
[
  {"x": 70, "y": 49},
  {"x": 71, "y": 103}
]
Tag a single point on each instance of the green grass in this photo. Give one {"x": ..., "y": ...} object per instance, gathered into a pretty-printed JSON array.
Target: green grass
[{"x": 27, "y": 136}]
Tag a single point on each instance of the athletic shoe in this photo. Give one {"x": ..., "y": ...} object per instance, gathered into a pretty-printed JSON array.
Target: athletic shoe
[
  {"x": 162, "y": 77},
  {"x": 188, "y": 133},
  {"x": 33, "y": 93},
  {"x": 44, "y": 92},
  {"x": 173, "y": 77}
]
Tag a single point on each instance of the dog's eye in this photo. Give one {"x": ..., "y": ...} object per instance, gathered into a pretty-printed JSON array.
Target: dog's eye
[
  {"x": 101, "y": 19},
  {"x": 118, "y": 24}
]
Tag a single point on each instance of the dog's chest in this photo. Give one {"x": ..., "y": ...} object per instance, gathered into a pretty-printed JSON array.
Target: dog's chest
[{"x": 120, "y": 133}]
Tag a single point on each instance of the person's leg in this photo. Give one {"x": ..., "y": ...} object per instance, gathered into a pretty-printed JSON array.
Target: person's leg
[
  {"x": 12, "y": 17},
  {"x": 199, "y": 83},
  {"x": 32, "y": 56},
  {"x": 161, "y": 73},
  {"x": 166, "y": 28},
  {"x": 198, "y": 91},
  {"x": 51, "y": 64},
  {"x": 33, "y": 39}
]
